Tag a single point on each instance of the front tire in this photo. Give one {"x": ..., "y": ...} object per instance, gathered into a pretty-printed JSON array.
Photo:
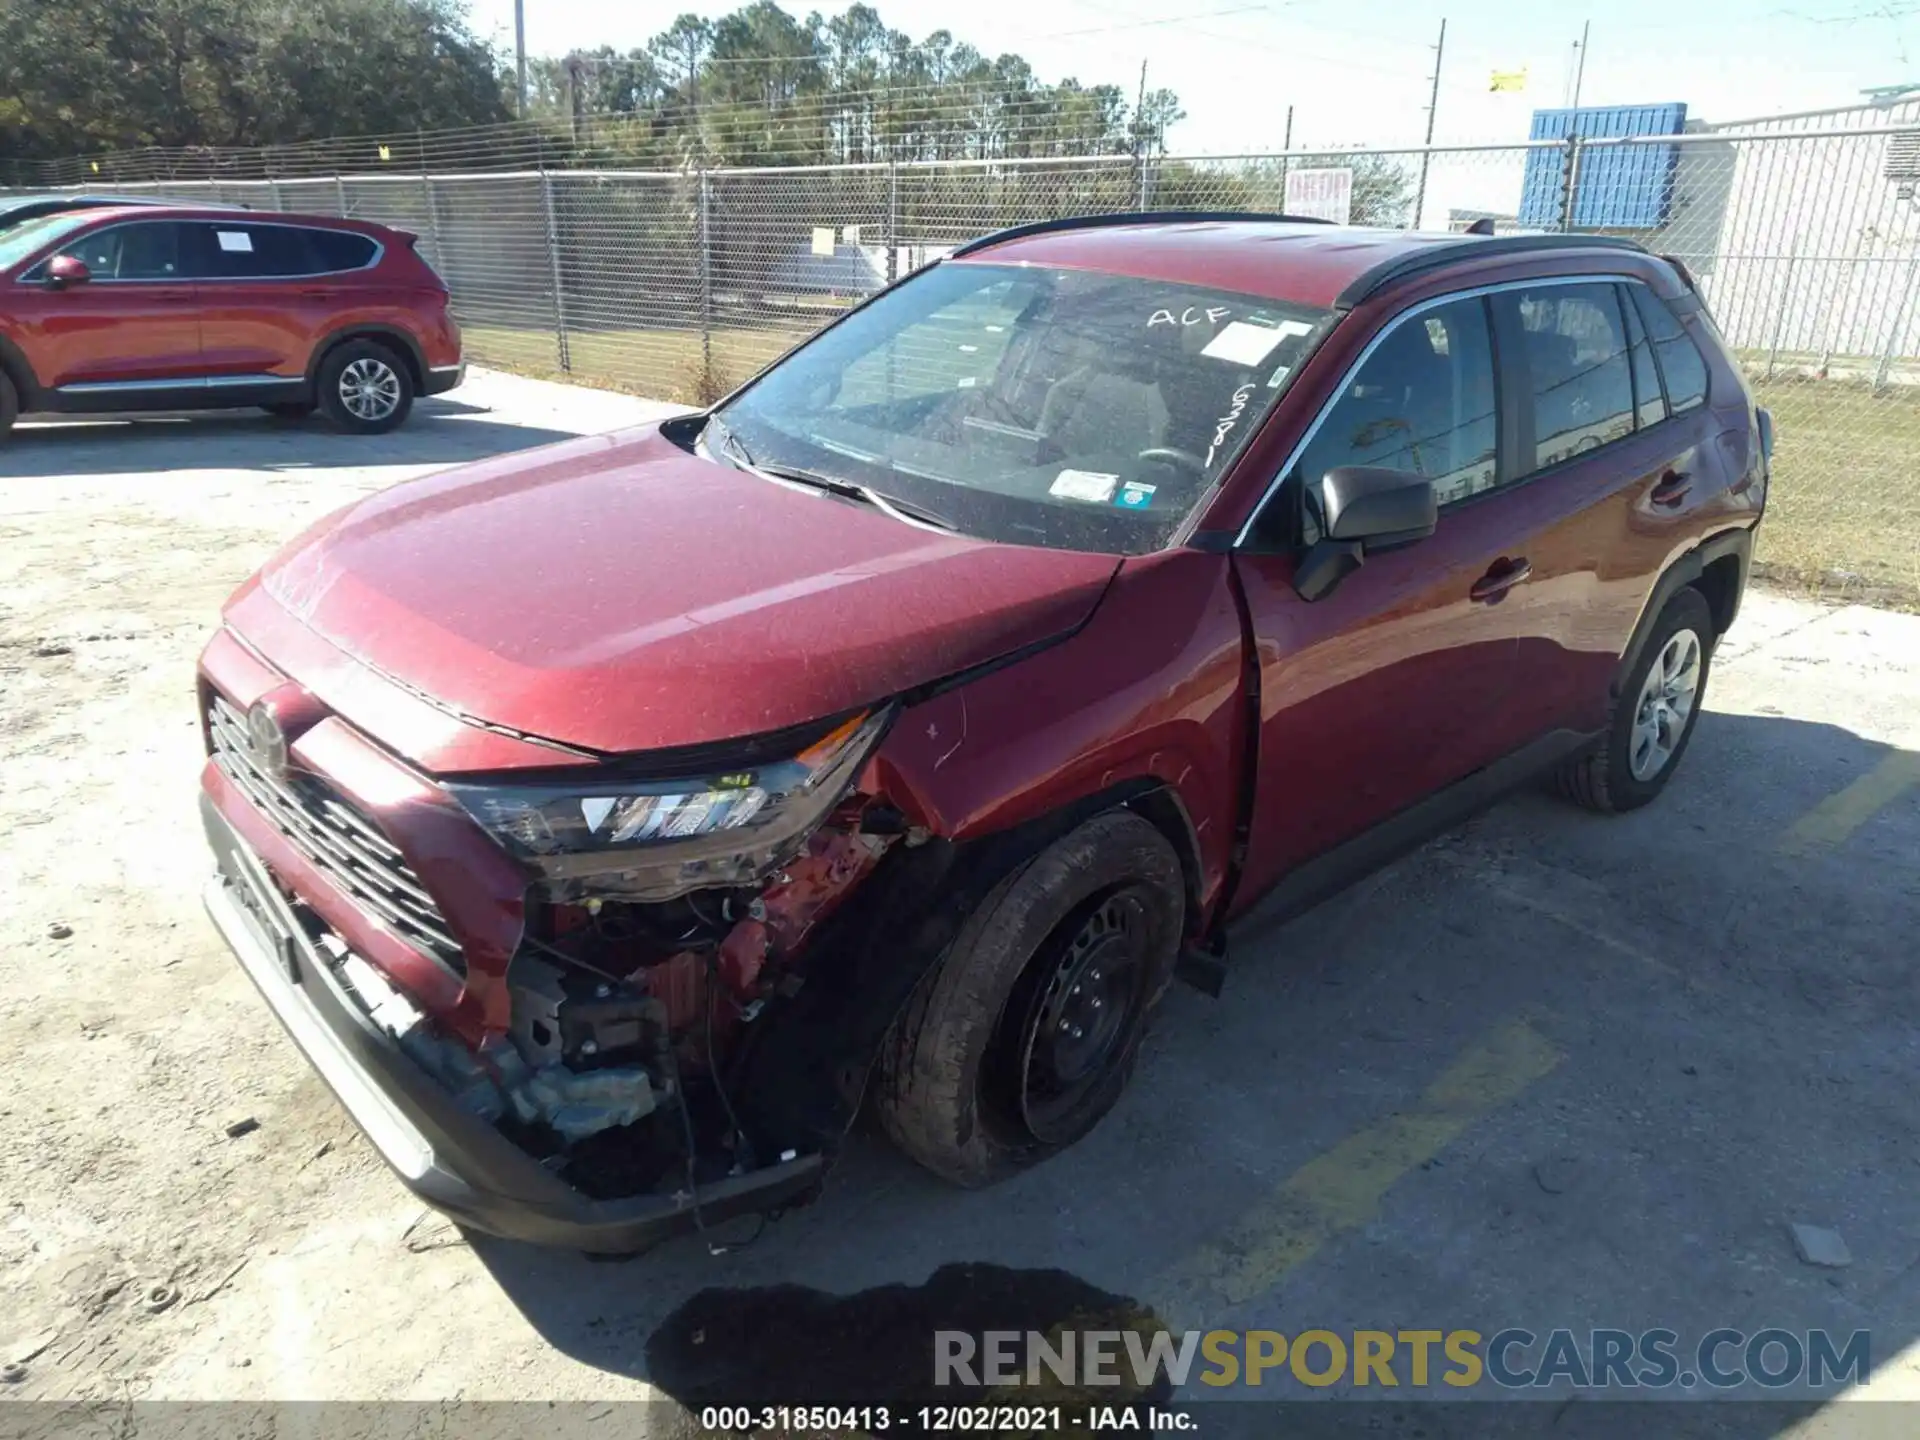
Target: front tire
[
  {"x": 9, "y": 404},
  {"x": 1024, "y": 1035},
  {"x": 365, "y": 388},
  {"x": 1653, "y": 716}
]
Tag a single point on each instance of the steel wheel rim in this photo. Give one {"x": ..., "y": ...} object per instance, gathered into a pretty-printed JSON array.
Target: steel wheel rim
[
  {"x": 1665, "y": 706},
  {"x": 370, "y": 389},
  {"x": 1081, "y": 1025}
]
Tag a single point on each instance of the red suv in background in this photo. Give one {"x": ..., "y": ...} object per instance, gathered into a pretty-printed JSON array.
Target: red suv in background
[
  {"x": 178, "y": 308},
  {"x": 610, "y": 822}
]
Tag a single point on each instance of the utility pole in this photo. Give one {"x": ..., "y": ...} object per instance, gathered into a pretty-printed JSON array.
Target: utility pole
[
  {"x": 1433, "y": 111},
  {"x": 576, "y": 68},
  {"x": 1286, "y": 144},
  {"x": 1580, "y": 61},
  {"x": 520, "y": 50}
]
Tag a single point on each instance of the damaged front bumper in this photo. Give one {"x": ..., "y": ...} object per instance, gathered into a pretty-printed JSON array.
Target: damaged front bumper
[{"x": 448, "y": 1156}]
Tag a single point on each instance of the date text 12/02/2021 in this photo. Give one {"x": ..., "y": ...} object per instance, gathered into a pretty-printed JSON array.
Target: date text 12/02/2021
[{"x": 945, "y": 1419}]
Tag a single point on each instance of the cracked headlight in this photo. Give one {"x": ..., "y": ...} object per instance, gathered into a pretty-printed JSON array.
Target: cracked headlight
[{"x": 655, "y": 839}]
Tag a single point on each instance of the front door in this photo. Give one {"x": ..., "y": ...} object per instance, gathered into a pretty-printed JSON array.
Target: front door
[
  {"x": 130, "y": 329},
  {"x": 1399, "y": 682}
]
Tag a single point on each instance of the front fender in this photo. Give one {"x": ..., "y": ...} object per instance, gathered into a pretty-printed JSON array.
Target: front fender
[{"x": 1146, "y": 695}]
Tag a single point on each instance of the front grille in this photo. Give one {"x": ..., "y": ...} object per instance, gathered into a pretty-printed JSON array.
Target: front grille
[{"x": 342, "y": 843}]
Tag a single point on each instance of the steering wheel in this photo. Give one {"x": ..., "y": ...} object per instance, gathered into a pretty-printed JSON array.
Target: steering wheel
[{"x": 1166, "y": 455}]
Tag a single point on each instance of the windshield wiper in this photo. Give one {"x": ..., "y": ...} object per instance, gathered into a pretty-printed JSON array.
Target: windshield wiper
[{"x": 901, "y": 510}]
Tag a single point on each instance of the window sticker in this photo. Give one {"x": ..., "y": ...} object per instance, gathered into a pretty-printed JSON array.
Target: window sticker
[
  {"x": 1134, "y": 496},
  {"x": 237, "y": 242},
  {"x": 1243, "y": 343},
  {"x": 1088, "y": 485}
]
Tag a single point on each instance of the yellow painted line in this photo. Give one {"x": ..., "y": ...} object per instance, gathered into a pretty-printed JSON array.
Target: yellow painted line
[
  {"x": 1341, "y": 1190},
  {"x": 1835, "y": 818}
]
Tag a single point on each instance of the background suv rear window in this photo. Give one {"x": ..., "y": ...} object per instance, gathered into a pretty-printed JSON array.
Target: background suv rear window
[
  {"x": 338, "y": 250},
  {"x": 265, "y": 252}
]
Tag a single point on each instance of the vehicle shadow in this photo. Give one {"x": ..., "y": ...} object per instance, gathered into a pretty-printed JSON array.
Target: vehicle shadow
[
  {"x": 1731, "y": 1015},
  {"x": 439, "y": 432}
]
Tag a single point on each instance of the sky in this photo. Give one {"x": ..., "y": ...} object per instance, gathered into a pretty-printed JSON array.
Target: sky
[{"x": 1359, "y": 71}]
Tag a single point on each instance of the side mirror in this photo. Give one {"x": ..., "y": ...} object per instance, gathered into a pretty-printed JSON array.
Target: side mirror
[
  {"x": 1365, "y": 510},
  {"x": 65, "y": 270}
]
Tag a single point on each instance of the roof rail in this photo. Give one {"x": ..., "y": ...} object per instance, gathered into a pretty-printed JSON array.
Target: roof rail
[
  {"x": 1136, "y": 217},
  {"x": 1446, "y": 252}
]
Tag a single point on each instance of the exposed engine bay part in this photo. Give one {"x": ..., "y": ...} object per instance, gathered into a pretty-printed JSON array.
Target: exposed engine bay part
[
  {"x": 504, "y": 1079},
  {"x": 627, "y": 1017}
]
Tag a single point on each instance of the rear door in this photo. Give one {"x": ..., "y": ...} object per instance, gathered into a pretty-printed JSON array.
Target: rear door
[
  {"x": 1610, "y": 477},
  {"x": 132, "y": 328},
  {"x": 271, "y": 292},
  {"x": 1395, "y": 684}
]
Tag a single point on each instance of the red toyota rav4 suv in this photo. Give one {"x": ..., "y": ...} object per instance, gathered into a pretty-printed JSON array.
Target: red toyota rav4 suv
[
  {"x": 150, "y": 308},
  {"x": 610, "y": 822}
]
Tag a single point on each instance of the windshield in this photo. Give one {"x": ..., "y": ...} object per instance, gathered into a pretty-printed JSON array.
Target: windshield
[
  {"x": 1065, "y": 408},
  {"x": 17, "y": 242}
]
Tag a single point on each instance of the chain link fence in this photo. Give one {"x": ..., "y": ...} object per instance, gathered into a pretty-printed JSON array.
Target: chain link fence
[{"x": 1803, "y": 238}]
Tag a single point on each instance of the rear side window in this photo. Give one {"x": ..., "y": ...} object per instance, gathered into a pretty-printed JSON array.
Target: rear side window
[
  {"x": 255, "y": 252},
  {"x": 1681, "y": 364},
  {"x": 1573, "y": 353},
  {"x": 1422, "y": 402},
  {"x": 1650, "y": 405},
  {"x": 340, "y": 250}
]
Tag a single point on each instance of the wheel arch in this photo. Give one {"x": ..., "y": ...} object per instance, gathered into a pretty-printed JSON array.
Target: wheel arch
[
  {"x": 14, "y": 365},
  {"x": 391, "y": 335},
  {"x": 1717, "y": 567},
  {"x": 803, "y": 1078}
]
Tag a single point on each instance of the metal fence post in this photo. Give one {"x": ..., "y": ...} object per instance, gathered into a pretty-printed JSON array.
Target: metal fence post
[
  {"x": 339, "y": 195},
  {"x": 893, "y": 223},
  {"x": 1786, "y": 300},
  {"x": 706, "y": 284},
  {"x": 433, "y": 221},
  {"x": 1900, "y": 309},
  {"x": 1569, "y": 182},
  {"x": 553, "y": 262}
]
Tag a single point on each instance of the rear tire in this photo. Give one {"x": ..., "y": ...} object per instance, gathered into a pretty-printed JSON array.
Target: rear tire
[
  {"x": 1025, "y": 1033},
  {"x": 9, "y": 404},
  {"x": 1646, "y": 733},
  {"x": 364, "y": 388}
]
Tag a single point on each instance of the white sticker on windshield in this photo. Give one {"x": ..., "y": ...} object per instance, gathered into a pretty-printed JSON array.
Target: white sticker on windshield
[
  {"x": 1245, "y": 344},
  {"x": 1084, "y": 485},
  {"x": 238, "y": 241}
]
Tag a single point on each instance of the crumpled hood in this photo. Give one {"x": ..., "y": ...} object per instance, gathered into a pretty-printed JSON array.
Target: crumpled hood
[{"x": 618, "y": 594}]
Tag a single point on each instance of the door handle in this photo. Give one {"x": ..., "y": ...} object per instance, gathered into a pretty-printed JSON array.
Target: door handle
[
  {"x": 1501, "y": 577},
  {"x": 1671, "y": 489}
]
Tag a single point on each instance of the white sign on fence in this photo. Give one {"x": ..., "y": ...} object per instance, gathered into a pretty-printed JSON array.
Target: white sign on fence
[{"x": 1323, "y": 194}]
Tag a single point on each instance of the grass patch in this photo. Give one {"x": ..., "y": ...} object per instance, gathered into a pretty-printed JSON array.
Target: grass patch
[
  {"x": 1843, "y": 518},
  {"x": 660, "y": 364},
  {"x": 1843, "y": 515}
]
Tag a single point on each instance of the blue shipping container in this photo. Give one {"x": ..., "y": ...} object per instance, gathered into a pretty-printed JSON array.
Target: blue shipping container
[{"x": 1619, "y": 187}]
